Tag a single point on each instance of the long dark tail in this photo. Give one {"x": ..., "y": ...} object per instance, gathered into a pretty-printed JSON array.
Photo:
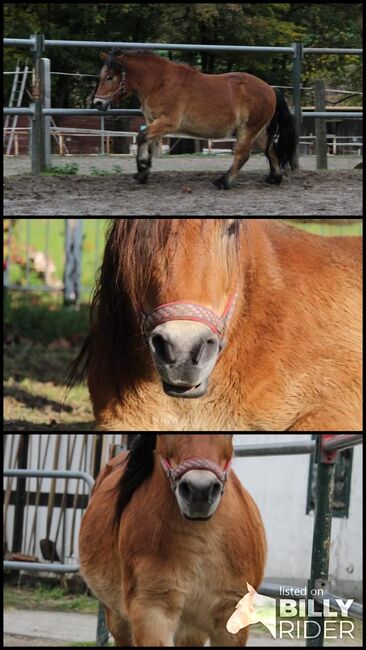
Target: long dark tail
[{"x": 282, "y": 133}]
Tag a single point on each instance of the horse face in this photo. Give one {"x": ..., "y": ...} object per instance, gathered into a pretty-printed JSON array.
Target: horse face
[
  {"x": 198, "y": 491},
  {"x": 200, "y": 288},
  {"x": 112, "y": 82}
]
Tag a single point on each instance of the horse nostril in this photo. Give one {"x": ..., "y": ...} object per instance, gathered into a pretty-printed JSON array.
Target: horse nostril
[
  {"x": 206, "y": 348},
  {"x": 215, "y": 492},
  {"x": 162, "y": 348},
  {"x": 185, "y": 490}
]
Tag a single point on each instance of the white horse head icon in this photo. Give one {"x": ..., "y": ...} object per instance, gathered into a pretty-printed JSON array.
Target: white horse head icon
[{"x": 246, "y": 614}]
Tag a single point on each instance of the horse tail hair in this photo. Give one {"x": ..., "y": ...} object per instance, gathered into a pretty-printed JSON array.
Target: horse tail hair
[
  {"x": 282, "y": 133},
  {"x": 140, "y": 465}
]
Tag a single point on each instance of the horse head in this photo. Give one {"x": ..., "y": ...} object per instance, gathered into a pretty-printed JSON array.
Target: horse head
[{"x": 113, "y": 83}]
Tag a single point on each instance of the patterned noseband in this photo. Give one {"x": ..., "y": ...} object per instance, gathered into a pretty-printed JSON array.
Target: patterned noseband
[
  {"x": 175, "y": 474},
  {"x": 184, "y": 310}
]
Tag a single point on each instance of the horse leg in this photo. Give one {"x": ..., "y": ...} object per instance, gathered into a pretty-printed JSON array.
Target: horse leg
[
  {"x": 145, "y": 142},
  {"x": 220, "y": 637},
  {"x": 223, "y": 639},
  {"x": 242, "y": 152},
  {"x": 190, "y": 638},
  {"x": 143, "y": 158},
  {"x": 119, "y": 628},
  {"x": 155, "y": 623},
  {"x": 274, "y": 177}
]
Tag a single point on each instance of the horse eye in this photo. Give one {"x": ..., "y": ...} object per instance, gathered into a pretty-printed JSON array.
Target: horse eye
[{"x": 110, "y": 77}]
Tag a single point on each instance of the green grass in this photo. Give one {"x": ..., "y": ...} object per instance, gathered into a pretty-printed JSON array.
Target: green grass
[
  {"x": 48, "y": 236},
  {"x": 42, "y": 338},
  {"x": 44, "y": 597},
  {"x": 331, "y": 229}
]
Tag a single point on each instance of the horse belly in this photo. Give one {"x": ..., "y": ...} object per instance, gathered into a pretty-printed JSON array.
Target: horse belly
[
  {"x": 218, "y": 122},
  {"x": 207, "y": 130}
]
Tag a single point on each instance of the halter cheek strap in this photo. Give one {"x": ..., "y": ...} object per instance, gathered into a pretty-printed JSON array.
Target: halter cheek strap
[{"x": 189, "y": 311}]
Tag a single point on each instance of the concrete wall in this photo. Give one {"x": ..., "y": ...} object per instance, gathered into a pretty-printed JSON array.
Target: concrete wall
[{"x": 279, "y": 485}]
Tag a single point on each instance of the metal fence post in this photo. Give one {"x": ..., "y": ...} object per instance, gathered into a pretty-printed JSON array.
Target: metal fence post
[
  {"x": 73, "y": 257},
  {"x": 296, "y": 91},
  {"x": 322, "y": 537},
  {"x": 38, "y": 154},
  {"x": 46, "y": 73},
  {"x": 320, "y": 126}
]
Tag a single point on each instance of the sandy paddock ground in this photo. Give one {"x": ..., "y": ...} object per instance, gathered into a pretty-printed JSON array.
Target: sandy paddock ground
[{"x": 182, "y": 185}]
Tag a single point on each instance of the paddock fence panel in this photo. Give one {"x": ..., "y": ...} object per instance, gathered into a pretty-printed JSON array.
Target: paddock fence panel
[{"x": 38, "y": 43}]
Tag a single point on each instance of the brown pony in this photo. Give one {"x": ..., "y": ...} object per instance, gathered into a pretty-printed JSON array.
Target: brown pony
[
  {"x": 170, "y": 540},
  {"x": 258, "y": 321},
  {"x": 178, "y": 99}
]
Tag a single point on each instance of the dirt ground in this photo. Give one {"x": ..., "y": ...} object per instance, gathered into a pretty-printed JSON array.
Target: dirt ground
[
  {"x": 23, "y": 641},
  {"x": 181, "y": 185}
]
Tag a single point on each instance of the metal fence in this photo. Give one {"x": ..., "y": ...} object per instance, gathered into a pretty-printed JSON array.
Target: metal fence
[
  {"x": 39, "y": 110},
  {"x": 325, "y": 447},
  {"x": 46, "y": 255},
  {"x": 45, "y": 493}
]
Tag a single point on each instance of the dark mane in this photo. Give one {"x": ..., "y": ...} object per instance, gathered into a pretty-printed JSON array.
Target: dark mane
[
  {"x": 140, "y": 464},
  {"x": 114, "y": 64}
]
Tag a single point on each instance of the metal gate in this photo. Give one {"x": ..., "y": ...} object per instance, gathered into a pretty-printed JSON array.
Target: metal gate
[{"x": 46, "y": 255}]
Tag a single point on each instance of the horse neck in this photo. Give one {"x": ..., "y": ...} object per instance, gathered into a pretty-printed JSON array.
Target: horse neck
[
  {"x": 262, "y": 281},
  {"x": 144, "y": 72}
]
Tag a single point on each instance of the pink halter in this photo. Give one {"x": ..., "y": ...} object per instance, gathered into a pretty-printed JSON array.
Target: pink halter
[
  {"x": 185, "y": 310},
  {"x": 174, "y": 474}
]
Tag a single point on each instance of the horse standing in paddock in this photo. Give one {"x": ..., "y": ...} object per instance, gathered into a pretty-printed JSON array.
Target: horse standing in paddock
[
  {"x": 258, "y": 321},
  {"x": 176, "y": 98},
  {"x": 170, "y": 540}
]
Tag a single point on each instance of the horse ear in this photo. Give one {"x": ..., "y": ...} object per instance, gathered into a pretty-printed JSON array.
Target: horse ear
[{"x": 103, "y": 56}]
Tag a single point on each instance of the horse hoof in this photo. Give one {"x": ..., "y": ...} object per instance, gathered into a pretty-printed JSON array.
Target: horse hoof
[
  {"x": 142, "y": 177},
  {"x": 222, "y": 183},
  {"x": 273, "y": 179}
]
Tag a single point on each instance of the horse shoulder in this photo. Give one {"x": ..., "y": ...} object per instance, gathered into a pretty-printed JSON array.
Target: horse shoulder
[{"x": 246, "y": 543}]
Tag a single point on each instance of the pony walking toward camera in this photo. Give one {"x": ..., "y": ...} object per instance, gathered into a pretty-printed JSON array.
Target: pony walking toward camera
[{"x": 170, "y": 542}]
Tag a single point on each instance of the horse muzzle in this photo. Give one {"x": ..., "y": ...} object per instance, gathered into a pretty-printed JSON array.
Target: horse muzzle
[
  {"x": 185, "y": 341},
  {"x": 101, "y": 104},
  {"x": 198, "y": 485},
  {"x": 198, "y": 495},
  {"x": 184, "y": 355}
]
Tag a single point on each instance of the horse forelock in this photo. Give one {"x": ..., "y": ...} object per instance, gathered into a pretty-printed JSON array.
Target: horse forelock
[
  {"x": 135, "y": 243},
  {"x": 112, "y": 63}
]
